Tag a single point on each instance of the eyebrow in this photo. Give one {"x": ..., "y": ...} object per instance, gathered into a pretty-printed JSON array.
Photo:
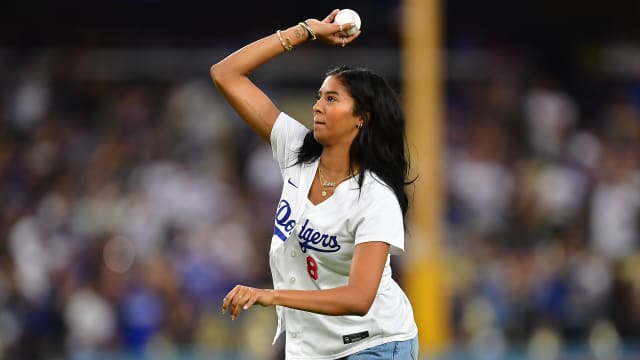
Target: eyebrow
[{"x": 328, "y": 92}]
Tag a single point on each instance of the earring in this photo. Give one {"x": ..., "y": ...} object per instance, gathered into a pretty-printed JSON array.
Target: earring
[{"x": 359, "y": 126}]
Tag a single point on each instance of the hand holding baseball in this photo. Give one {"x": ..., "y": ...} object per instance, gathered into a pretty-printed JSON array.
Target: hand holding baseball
[
  {"x": 348, "y": 16},
  {"x": 335, "y": 30}
]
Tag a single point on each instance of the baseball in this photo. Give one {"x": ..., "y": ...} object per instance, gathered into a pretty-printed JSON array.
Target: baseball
[{"x": 347, "y": 16}]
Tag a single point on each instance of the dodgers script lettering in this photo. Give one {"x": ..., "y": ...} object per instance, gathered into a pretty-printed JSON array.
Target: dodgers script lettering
[
  {"x": 314, "y": 240},
  {"x": 284, "y": 223}
]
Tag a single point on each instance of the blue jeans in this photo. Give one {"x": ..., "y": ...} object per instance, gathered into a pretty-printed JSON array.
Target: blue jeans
[{"x": 395, "y": 350}]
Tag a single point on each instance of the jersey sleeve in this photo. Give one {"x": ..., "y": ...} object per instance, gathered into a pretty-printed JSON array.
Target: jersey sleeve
[
  {"x": 380, "y": 219},
  {"x": 286, "y": 137}
]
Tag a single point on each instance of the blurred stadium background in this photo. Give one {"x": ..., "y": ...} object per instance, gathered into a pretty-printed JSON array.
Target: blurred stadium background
[{"x": 133, "y": 198}]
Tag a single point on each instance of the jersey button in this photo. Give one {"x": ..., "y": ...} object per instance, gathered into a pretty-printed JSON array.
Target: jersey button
[
  {"x": 293, "y": 253},
  {"x": 292, "y": 279}
]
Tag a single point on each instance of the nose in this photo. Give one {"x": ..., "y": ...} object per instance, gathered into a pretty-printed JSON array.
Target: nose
[{"x": 316, "y": 107}]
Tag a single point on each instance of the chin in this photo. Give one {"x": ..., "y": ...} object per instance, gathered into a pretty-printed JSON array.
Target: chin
[{"x": 319, "y": 138}]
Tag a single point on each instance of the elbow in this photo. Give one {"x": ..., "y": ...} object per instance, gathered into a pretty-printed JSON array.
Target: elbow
[
  {"x": 220, "y": 74},
  {"x": 216, "y": 73}
]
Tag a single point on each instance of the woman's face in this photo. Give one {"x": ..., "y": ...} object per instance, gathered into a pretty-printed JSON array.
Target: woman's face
[{"x": 333, "y": 119}]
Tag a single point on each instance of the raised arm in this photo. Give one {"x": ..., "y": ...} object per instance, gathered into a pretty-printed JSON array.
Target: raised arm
[{"x": 231, "y": 75}]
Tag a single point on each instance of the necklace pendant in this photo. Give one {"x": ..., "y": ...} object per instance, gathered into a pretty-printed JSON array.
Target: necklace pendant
[{"x": 324, "y": 193}]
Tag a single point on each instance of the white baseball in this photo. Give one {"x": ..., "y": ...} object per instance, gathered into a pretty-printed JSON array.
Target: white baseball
[{"x": 348, "y": 16}]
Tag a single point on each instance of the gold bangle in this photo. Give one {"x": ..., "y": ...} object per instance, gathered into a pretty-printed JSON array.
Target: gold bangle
[
  {"x": 306, "y": 26},
  {"x": 286, "y": 43}
]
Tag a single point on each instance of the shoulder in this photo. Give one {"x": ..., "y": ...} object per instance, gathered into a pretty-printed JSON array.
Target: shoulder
[
  {"x": 285, "y": 125},
  {"x": 375, "y": 185},
  {"x": 287, "y": 135},
  {"x": 376, "y": 192},
  {"x": 378, "y": 216}
]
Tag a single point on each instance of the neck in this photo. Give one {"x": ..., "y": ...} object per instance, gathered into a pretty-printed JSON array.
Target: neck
[{"x": 335, "y": 164}]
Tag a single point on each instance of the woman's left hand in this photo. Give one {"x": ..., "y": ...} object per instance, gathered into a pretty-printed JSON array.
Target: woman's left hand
[{"x": 244, "y": 297}]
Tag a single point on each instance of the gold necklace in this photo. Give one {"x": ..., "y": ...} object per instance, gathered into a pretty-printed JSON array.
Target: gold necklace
[{"x": 326, "y": 184}]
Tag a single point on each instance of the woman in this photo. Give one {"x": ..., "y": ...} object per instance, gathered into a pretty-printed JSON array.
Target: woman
[{"x": 342, "y": 208}]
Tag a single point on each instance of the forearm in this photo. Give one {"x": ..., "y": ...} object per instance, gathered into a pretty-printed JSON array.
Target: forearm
[
  {"x": 247, "y": 59},
  {"x": 355, "y": 298},
  {"x": 231, "y": 77},
  {"x": 344, "y": 300}
]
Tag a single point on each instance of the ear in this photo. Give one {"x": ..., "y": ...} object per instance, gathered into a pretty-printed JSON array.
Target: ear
[
  {"x": 364, "y": 119},
  {"x": 367, "y": 117}
]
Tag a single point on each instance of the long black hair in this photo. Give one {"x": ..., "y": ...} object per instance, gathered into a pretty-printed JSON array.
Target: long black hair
[{"x": 380, "y": 145}]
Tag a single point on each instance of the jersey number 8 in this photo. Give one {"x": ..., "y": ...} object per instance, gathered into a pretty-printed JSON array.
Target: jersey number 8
[{"x": 312, "y": 268}]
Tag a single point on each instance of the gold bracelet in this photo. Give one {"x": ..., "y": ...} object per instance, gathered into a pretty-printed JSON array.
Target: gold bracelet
[
  {"x": 306, "y": 26},
  {"x": 286, "y": 43}
]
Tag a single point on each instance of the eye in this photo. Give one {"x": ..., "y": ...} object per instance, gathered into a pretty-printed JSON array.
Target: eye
[{"x": 331, "y": 98}]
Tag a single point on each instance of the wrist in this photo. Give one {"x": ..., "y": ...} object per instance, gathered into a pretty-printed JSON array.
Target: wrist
[
  {"x": 273, "y": 295},
  {"x": 311, "y": 34},
  {"x": 297, "y": 34},
  {"x": 293, "y": 36},
  {"x": 285, "y": 41}
]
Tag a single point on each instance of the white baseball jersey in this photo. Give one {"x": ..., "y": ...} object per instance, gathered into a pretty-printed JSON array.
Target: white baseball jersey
[{"x": 312, "y": 248}]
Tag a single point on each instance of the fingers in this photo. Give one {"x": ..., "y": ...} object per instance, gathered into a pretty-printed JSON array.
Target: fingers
[
  {"x": 331, "y": 16},
  {"x": 344, "y": 40},
  {"x": 250, "y": 301},
  {"x": 331, "y": 33},
  {"x": 344, "y": 29},
  {"x": 226, "y": 302},
  {"x": 238, "y": 299}
]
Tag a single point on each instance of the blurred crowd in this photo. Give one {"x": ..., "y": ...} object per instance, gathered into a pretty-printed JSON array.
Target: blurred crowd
[
  {"x": 543, "y": 205},
  {"x": 131, "y": 205}
]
